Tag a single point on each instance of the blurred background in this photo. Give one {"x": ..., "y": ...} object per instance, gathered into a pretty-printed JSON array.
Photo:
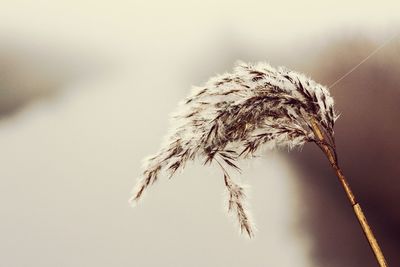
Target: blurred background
[{"x": 85, "y": 92}]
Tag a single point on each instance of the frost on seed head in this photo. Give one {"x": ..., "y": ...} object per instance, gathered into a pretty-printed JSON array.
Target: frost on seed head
[{"x": 235, "y": 114}]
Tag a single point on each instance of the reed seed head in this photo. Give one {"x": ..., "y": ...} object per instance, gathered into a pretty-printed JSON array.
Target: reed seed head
[{"x": 235, "y": 114}]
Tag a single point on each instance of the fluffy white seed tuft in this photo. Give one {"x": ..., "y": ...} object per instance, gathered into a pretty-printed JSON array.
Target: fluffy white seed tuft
[{"x": 235, "y": 114}]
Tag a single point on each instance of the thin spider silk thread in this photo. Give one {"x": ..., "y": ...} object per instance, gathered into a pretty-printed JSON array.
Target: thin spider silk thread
[{"x": 364, "y": 60}]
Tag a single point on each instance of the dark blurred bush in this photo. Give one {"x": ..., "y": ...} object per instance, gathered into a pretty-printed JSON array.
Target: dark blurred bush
[{"x": 367, "y": 135}]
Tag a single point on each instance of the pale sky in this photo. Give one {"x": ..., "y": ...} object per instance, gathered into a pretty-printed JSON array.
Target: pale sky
[{"x": 70, "y": 162}]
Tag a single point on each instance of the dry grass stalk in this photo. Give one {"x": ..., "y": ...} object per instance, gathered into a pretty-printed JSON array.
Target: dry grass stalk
[
  {"x": 330, "y": 152},
  {"x": 235, "y": 114}
]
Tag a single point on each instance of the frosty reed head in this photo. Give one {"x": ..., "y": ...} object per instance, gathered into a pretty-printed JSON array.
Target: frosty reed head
[{"x": 234, "y": 115}]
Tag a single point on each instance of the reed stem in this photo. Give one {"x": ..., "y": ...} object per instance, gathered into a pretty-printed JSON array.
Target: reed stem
[{"x": 329, "y": 151}]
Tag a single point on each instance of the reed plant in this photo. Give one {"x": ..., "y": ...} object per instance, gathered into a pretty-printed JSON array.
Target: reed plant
[{"x": 234, "y": 115}]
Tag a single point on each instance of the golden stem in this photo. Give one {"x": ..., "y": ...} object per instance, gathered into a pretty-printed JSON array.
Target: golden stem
[{"x": 356, "y": 207}]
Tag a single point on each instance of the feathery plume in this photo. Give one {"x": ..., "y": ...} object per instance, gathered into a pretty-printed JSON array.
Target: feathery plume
[{"x": 233, "y": 116}]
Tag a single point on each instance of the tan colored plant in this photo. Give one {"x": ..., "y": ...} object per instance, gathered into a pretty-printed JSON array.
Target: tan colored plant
[{"x": 235, "y": 114}]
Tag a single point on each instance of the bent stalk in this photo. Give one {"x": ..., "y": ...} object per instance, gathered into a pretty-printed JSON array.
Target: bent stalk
[{"x": 329, "y": 151}]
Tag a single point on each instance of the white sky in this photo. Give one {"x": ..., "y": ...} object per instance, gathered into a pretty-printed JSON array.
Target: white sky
[{"x": 68, "y": 164}]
